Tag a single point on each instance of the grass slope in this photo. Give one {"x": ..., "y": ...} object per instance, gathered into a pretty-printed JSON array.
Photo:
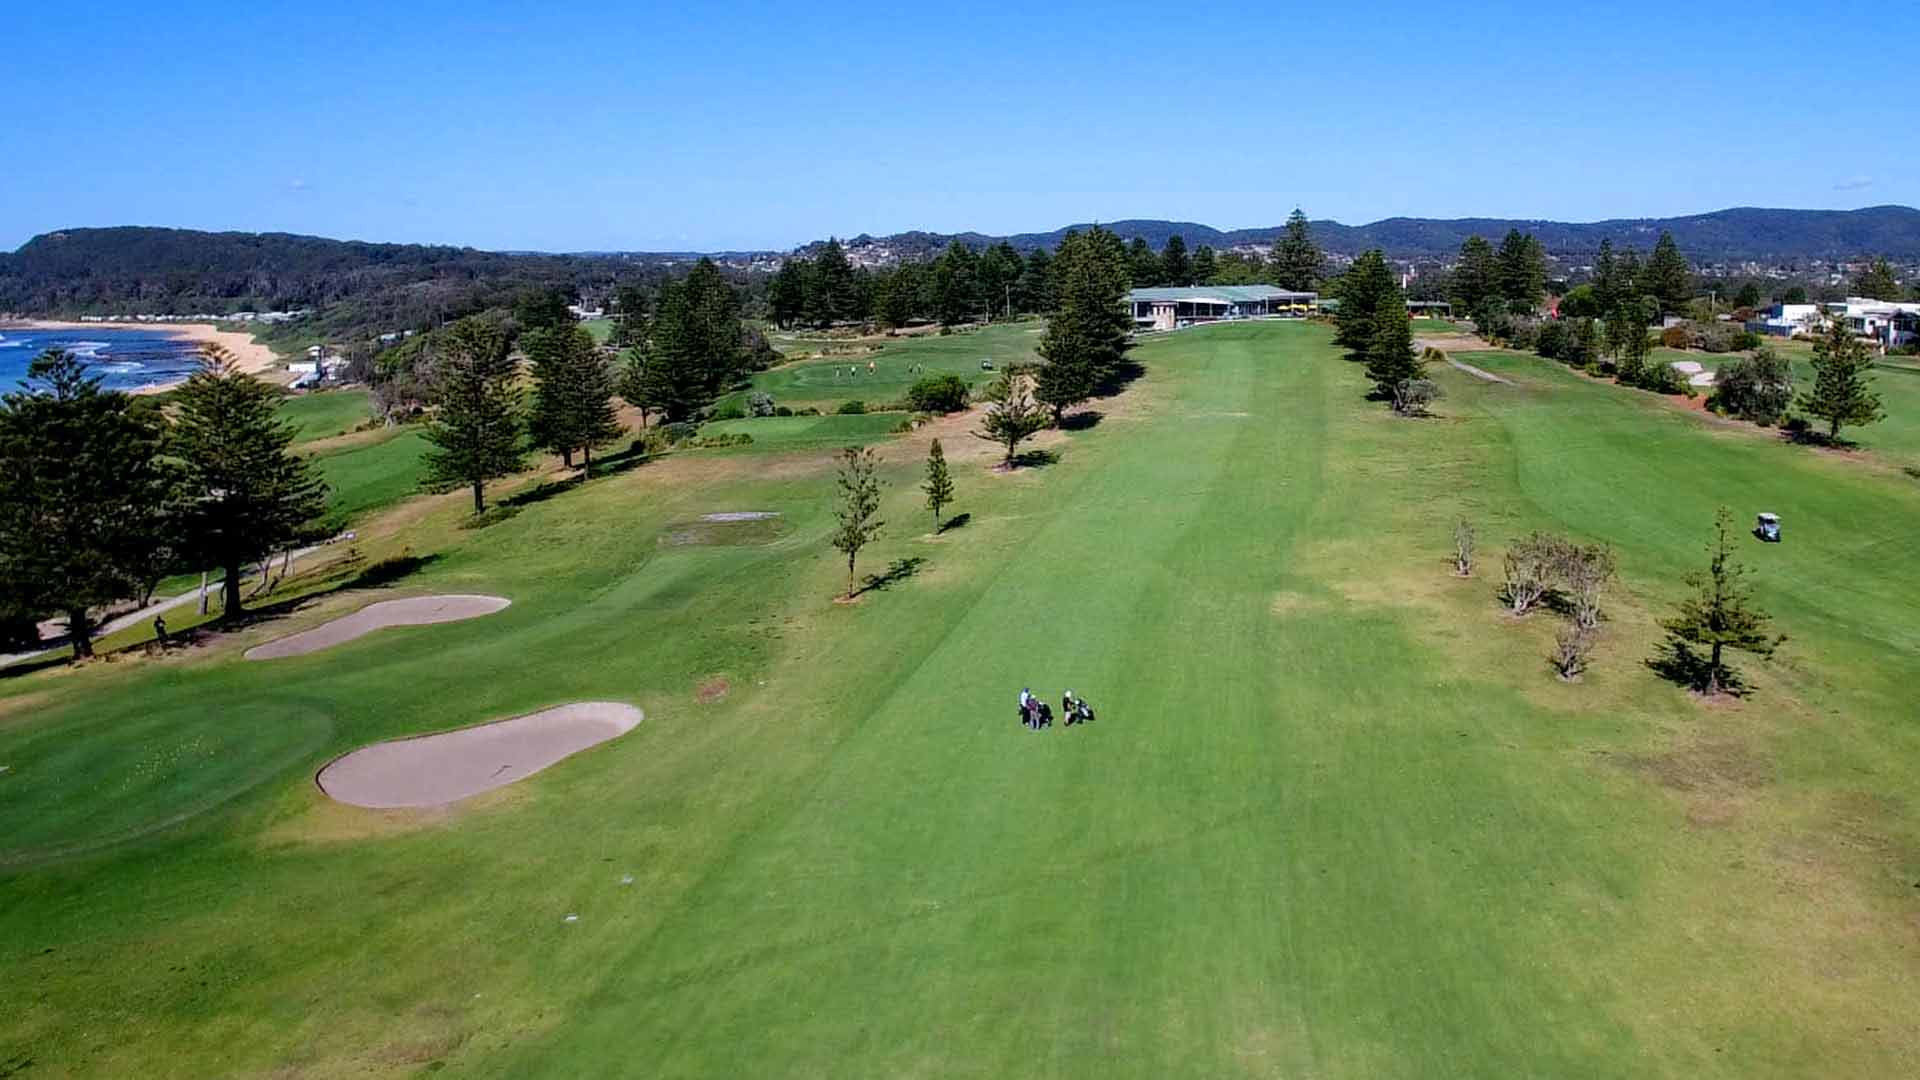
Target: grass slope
[
  {"x": 1335, "y": 819},
  {"x": 824, "y": 383}
]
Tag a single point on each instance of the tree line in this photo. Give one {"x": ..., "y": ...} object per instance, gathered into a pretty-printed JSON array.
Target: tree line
[{"x": 102, "y": 495}]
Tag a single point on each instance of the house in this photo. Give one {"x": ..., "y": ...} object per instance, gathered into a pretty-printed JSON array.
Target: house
[
  {"x": 1786, "y": 320},
  {"x": 1169, "y": 308},
  {"x": 1888, "y": 322}
]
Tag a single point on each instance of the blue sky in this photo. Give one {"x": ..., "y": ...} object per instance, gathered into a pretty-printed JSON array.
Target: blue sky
[{"x": 687, "y": 126}]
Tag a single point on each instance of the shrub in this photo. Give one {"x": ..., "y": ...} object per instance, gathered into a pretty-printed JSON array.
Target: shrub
[
  {"x": 729, "y": 411},
  {"x": 760, "y": 403},
  {"x": 1676, "y": 337},
  {"x": 1551, "y": 341},
  {"x": 852, "y": 408},
  {"x": 1746, "y": 341},
  {"x": 1572, "y": 649},
  {"x": 1412, "y": 396},
  {"x": 1463, "y": 538},
  {"x": 677, "y": 432},
  {"x": 938, "y": 394},
  {"x": 905, "y": 425},
  {"x": 707, "y": 442},
  {"x": 1758, "y": 389},
  {"x": 782, "y": 410},
  {"x": 1532, "y": 566},
  {"x": 1523, "y": 334}
]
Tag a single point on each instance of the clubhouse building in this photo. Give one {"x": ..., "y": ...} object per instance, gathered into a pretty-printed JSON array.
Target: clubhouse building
[{"x": 1169, "y": 309}]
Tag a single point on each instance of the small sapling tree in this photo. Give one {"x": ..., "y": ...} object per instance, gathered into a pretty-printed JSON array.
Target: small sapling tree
[
  {"x": 1531, "y": 566},
  {"x": 1720, "y": 615},
  {"x": 939, "y": 485},
  {"x": 1572, "y": 649},
  {"x": 1463, "y": 540},
  {"x": 1012, "y": 417},
  {"x": 859, "y": 505},
  {"x": 1841, "y": 394}
]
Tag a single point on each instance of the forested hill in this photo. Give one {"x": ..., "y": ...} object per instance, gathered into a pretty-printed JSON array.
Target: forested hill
[
  {"x": 149, "y": 270},
  {"x": 1724, "y": 235}
]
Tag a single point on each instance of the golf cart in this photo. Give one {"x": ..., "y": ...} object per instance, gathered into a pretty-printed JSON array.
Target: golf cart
[
  {"x": 986, "y": 363},
  {"x": 1767, "y": 528}
]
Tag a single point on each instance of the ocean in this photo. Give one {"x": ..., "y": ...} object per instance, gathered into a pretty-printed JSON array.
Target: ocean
[{"x": 123, "y": 359}]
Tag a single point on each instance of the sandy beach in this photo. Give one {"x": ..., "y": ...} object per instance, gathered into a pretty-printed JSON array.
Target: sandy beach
[{"x": 249, "y": 355}]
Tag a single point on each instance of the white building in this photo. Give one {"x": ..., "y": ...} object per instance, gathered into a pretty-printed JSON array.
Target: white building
[
  {"x": 1788, "y": 320},
  {"x": 1165, "y": 309}
]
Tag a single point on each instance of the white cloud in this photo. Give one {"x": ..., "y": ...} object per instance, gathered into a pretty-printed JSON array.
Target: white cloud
[{"x": 297, "y": 184}]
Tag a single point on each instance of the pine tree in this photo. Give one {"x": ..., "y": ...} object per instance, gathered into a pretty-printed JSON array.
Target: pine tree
[
  {"x": 838, "y": 293},
  {"x": 1877, "y": 282},
  {"x": 1146, "y": 266},
  {"x": 1366, "y": 285},
  {"x": 1205, "y": 265},
  {"x": 955, "y": 285},
  {"x": 939, "y": 485},
  {"x": 1842, "y": 393},
  {"x": 247, "y": 495},
  {"x": 550, "y": 419},
  {"x": 893, "y": 297},
  {"x": 1012, "y": 417},
  {"x": 1667, "y": 277},
  {"x": 573, "y": 391},
  {"x": 998, "y": 270},
  {"x": 1522, "y": 270},
  {"x": 695, "y": 350},
  {"x": 859, "y": 504},
  {"x": 1720, "y": 615},
  {"x": 1086, "y": 336},
  {"x": 1175, "y": 269},
  {"x": 1036, "y": 282},
  {"x": 787, "y": 292},
  {"x": 1297, "y": 263},
  {"x": 597, "y": 422},
  {"x": 1606, "y": 280},
  {"x": 1476, "y": 276},
  {"x": 1390, "y": 357},
  {"x": 477, "y": 432},
  {"x": 83, "y": 495}
]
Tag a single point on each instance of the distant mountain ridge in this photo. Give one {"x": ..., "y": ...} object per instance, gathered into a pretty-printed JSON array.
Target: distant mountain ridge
[{"x": 1736, "y": 234}]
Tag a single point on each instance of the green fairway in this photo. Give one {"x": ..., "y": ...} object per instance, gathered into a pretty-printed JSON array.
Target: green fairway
[
  {"x": 325, "y": 413},
  {"x": 808, "y": 432},
  {"x": 1897, "y": 437},
  {"x": 601, "y": 329},
  {"x": 897, "y": 364},
  {"x": 375, "y": 474},
  {"x": 1335, "y": 819}
]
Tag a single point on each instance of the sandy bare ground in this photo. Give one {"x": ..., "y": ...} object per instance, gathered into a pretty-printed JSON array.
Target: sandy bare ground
[
  {"x": 251, "y": 356},
  {"x": 413, "y": 611},
  {"x": 1451, "y": 343},
  {"x": 433, "y": 770},
  {"x": 1479, "y": 373}
]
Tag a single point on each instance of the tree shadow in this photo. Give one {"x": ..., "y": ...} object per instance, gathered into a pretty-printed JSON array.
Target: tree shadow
[
  {"x": 541, "y": 492},
  {"x": 958, "y": 521},
  {"x": 1679, "y": 664},
  {"x": 897, "y": 571},
  {"x": 632, "y": 457},
  {"x": 1083, "y": 420},
  {"x": 1121, "y": 376},
  {"x": 1036, "y": 459},
  {"x": 387, "y": 571}
]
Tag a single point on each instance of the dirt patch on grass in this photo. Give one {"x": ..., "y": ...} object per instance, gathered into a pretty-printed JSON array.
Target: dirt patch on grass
[
  {"x": 711, "y": 690},
  {"x": 434, "y": 770},
  {"x": 1297, "y": 603},
  {"x": 413, "y": 611},
  {"x": 1723, "y": 764},
  {"x": 731, "y": 532}
]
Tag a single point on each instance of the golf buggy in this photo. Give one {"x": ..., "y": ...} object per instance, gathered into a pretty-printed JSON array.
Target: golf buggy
[{"x": 1767, "y": 528}]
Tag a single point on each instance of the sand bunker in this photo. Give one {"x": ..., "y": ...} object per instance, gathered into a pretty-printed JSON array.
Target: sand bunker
[
  {"x": 414, "y": 611},
  {"x": 434, "y": 770}
]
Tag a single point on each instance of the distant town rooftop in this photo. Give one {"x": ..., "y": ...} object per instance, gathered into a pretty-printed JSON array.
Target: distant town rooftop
[{"x": 1218, "y": 294}]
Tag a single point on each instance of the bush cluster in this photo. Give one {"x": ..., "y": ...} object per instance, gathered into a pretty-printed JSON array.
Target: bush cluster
[
  {"x": 938, "y": 394},
  {"x": 1759, "y": 389},
  {"x": 852, "y": 408}
]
